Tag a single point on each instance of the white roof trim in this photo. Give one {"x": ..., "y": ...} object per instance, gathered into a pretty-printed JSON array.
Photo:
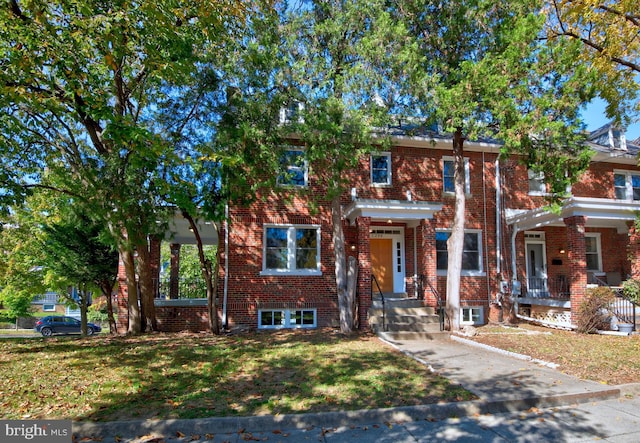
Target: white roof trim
[
  {"x": 600, "y": 212},
  {"x": 391, "y": 209}
]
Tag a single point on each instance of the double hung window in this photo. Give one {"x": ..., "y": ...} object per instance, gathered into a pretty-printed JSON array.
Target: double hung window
[
  {"x": 381, "y": 169},
  {"x": 294, "y": 169},
  {"x": 471, "y": 255},
  {"x": 448, "y": 175},
  {"x": 627, "y": 185},
  {"x": 291, "y": 249}
]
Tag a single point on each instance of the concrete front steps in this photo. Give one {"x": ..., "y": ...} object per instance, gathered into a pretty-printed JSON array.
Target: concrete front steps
[{"x": 405, "y": 319}]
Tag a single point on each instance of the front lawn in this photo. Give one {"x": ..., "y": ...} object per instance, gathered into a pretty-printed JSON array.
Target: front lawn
[
  {"x": 196, "y": 375},
  {"x": 606, "y": 359}
]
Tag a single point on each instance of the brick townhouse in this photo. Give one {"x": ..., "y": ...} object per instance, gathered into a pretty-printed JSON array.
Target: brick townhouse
[{"x": 277, "y": 265}]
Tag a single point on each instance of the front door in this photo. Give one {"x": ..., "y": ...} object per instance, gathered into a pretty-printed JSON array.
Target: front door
[
  {"x": 536, "y": 270},
  {"x": 382, "y": 263}
]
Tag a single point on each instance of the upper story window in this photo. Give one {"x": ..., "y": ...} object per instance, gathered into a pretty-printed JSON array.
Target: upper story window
[
  {"x": 471, "y": 255},
  {"x": 447, "y": 175},
  {"x": 537, "y": 185},
  {"x": 291, "y": 249},
  {"x": 292, "y": 113},
  {"x": 594, "y": 255},
  {"x": 381, "y": 169},
  {"x": 627, "y": 185},
  {"x": 294, "y": 168}
]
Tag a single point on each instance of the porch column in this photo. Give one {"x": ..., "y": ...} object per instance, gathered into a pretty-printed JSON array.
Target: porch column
[
  {"x": 174, "y": 272},
  {"x": 364, "y": 271},
  {"x": 427, "y": 260},
  {"x": 633, "y": 251},
  {"x": 577, "y": 258},
  {"x": 154, "y": 249}
]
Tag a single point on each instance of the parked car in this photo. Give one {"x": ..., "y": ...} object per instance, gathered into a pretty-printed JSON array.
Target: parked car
[{"x": 53, "y": 324}]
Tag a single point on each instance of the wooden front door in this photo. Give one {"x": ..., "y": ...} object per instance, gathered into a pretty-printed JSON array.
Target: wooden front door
[{"x": 382, "y": 263}]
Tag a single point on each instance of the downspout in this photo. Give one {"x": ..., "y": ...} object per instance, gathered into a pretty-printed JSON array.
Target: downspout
[
  {"x": 498, "y": 221},
  {"x": 226, "y": 267}
]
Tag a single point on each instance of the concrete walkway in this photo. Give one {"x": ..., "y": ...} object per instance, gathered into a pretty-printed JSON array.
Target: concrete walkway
[{"x": 519, "y": 400}]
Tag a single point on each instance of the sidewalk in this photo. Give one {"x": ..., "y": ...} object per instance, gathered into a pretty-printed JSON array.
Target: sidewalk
[{"x": 507, "y": 385}]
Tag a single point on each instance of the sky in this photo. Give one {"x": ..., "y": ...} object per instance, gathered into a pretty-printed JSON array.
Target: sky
[{"x": 595, "y": 118}]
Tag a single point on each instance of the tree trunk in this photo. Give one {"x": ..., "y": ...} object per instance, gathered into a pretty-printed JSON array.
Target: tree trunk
[
  {"x": 344, "y": 305},
  {"x": 455, "y": 244},
  {"x": 208, "y": 274},
  {"x": 135, "y": 319},
  {"x": 106, "y": 287},
  {"x": 84, "y": 304},
  {"x": 147, "y": 295}
]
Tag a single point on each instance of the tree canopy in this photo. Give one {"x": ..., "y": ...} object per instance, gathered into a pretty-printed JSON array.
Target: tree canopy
[{"x": 609, "y": 32}]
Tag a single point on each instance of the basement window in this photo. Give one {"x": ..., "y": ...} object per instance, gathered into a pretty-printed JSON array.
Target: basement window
[
  {"x": 472, "y": 315},
  {"x": 287, "y": 318}
]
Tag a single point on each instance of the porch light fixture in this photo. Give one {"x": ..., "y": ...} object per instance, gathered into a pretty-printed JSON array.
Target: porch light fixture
[
  {"x": 561, "y": 251},
  {"x": 389, "y": 221},
  {"x": 352, "y": 247}
]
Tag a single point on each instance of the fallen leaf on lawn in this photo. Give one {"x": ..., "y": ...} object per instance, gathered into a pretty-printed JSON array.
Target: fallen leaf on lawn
[
  {"x": 180, "y": 434},
  {"x": 277, "y": 431}
]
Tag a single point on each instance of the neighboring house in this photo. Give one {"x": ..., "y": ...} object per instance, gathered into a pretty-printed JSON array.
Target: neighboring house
[
  {"x": 52, "y": 302},
  {"x": 277, "y": 255}
]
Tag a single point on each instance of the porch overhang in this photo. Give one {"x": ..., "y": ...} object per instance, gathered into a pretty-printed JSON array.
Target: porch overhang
[
  {"x": 394, "y": 210},
  {"x": 179, "y": 231},
  {"x": 600, "y": 213}
]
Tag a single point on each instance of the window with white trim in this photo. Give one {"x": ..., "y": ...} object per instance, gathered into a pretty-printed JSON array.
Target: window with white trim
[
  {"x": 471, "y": 255},
  {"x": 294, "y": 169},
  {"x": 286, "y": 318},
  {"x": 381, "y": 169},
  {"x": 291, "y": 250},
  {"x": 537, "y": 185},
  {"x": 292, "y": 113},
  {"x": 627, "y": 185},
  {"x": 48, "y": 307},
  {"x": 448, "y": 175},
  {"x": 593, "y": 249},
  {"x": 472, "y": 315}
]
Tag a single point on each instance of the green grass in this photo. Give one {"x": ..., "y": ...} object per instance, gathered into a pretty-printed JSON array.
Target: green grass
[{"x": 190, "y": 375}]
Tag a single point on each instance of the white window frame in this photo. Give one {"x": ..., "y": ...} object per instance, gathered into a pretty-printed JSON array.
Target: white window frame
[
  {"x": 466, "y": 272},
  {"x": 467, "y": 315},
  {"x": 293, "y": 109},
  {"x": 467, "y": 176},
  {"x": 48, "y": 307},
  {"x": 628, "y": 175},
  {"x": 598, "y": 251},
  {"x": 538, "y": 179},
  {"x": 289, "y": 167},
  {"x": 291, "y": 248},
  {"x": 288, "y": 319},
  {"x": 388, "y": 182}
]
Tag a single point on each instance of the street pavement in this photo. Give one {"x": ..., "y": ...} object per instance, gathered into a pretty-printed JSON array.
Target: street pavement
[{"x": 520, "y": 400}]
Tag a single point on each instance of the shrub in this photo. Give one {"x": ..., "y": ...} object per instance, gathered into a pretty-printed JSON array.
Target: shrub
[
  {"x": 593, "y": 313},
  {"x": 631, "y": 290}
]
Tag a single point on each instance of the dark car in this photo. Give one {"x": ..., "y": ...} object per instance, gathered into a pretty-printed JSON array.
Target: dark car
[{"x": 48, "y": 326}]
